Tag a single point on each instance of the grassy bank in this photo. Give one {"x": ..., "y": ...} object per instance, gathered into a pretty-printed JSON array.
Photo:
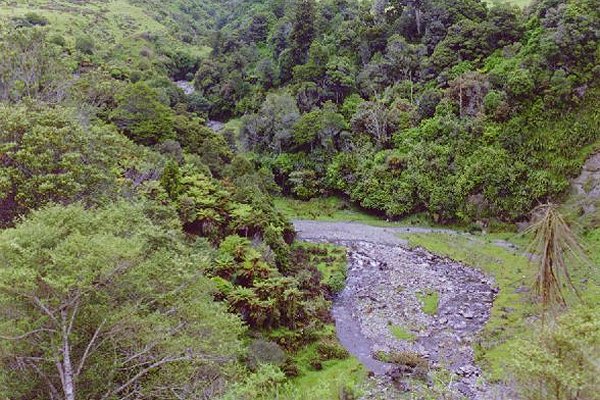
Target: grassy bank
[
  {"x": 324, "y": 369},
  {"x": 331, "y": 379},
  {"x": 338, "y": 209},
  {"x": 515, "y": 315}
]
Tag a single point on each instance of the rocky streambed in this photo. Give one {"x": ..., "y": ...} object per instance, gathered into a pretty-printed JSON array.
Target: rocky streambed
[{"x": 382, "y": 309}]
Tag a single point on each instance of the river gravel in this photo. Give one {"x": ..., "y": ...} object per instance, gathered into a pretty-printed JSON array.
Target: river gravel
[{"x": 385, "y": 285}]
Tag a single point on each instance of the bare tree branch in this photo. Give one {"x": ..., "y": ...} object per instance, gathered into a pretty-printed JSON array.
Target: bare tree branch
[
  {"x": 23, "y": 336},
  {"x": 75, "y": 303},
  {"x": 43, "y": 307},
  {"x": 60, "y": 372},
  {"x": 69, "y": 384},
  {"x": 53, "y": 391},
  {"x": 140, "y": 353},
  {"x": 143, "y": 372},
  {"x": 88, "y": 349}
]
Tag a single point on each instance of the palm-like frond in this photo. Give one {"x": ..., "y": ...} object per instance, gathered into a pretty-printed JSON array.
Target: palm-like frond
[{"x": 554, "y": 249}]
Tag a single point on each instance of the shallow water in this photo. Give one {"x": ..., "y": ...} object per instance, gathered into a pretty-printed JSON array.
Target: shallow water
[{"x": 385, "y": 281}]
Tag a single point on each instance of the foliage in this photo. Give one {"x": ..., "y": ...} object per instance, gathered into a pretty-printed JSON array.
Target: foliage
[
  {"x": 141, "y": 115},
  {"x": 31, "y": 66},
  {"x": 559, "y": 363},
  {"x": 46, "y": 156},
  {"x": 268, "y": 297},
  {"x": 84, "y": 44},
  {"x": 556, "y": 249},
  {"x": 330, "y": 260},
  {"x": 449, "y": 89},
  {"x": 105, "y": 303},
  {"x": 458, "y": 110}
]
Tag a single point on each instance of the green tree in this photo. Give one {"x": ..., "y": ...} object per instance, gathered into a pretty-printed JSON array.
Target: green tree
[
  {"x": 271, "y": 129},
  {"x": 340, "y": 76},
  {"x": 320, "y": 128},
  {"x": 142, "y": 116},
  {"x": 104, "y": 304},
  {"x": 170, "y": 179},
  {"x": 46, "y": 156},
  {"x": 303, "y": 32},
  {"x": 31, "y": 66},
  {"x": 561, "y": 363}
]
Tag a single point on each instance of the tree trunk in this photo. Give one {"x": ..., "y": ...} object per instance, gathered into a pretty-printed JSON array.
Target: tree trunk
[{"x": 68, "y": 382}]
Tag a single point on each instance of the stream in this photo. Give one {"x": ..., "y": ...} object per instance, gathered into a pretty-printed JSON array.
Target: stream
[{"x": 385, "y": 285}]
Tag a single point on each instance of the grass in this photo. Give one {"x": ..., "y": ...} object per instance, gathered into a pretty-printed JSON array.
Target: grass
[
  {"x": 514, "y": 308},
  {"x": 336, "y": 377},
  {"x": 401, "y": 333},
  {"x": 430, "y": 300},
  {"x": 337, "y": 209},
  {"x": 590, "y": 275},
  {"x": 344, "y": 374},
  {"x": 117, "y": 28}
]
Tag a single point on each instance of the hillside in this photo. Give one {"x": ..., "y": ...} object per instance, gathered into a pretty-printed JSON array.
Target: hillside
[{"x": 158, "y": 161}]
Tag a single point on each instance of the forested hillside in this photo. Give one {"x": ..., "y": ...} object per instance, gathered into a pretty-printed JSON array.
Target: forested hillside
[
  {"x": 142, "y": 144},
  {"x": 462, "y": 110}
]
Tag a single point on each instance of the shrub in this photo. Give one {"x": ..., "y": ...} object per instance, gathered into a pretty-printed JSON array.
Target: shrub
[
  {"x": 561, "y": 362},
  {"x": 84, "y": 44},
  {"x": 142, "y": 116},
  {"x": 330, "y": 349},
  {"x": 58, "y": 40},
  {"x": 36, "y": 19},
  {"x": 264, "y": 352}
]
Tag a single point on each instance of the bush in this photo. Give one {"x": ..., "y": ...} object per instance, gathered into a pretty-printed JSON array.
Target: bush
[
  {"x": 495, "y": 105},
  {"x": 36, "y": 19},
  {"x": 142, "y": 116},
  {"x": 58, "y": 40},
  {"x": 330, "y": 349},
  {"x": 520, "y": 84},
  {"x": 561, "y": 362},
  {"x": 84, "y": 44},
  {"x": 264, "y": 352},
  {"x": 59, "y": 160}
]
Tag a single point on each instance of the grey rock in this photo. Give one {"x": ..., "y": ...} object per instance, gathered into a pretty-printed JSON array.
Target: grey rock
[{"x": 379, "y": 264}]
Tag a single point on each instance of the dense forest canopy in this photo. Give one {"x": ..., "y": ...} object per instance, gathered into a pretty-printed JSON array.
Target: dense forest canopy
[
  {"x": 412, "y": 106},
  {"x": 142, "y": 143}
]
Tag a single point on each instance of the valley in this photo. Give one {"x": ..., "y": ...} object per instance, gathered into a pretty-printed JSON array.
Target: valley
[{"x": 299, "y": 199}]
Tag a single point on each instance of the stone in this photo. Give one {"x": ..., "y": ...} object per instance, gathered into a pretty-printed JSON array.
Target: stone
[{"x": 372, "y": 303}]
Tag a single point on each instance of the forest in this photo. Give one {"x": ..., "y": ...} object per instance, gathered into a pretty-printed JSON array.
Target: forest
[{"x": 156, "y": 158}]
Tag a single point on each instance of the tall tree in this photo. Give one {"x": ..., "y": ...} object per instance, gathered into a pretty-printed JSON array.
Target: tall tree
[
  {"x": 46, "y": 156},
  {"x": 303, "y": 31},
  {"x": 106, "y": 304}
]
